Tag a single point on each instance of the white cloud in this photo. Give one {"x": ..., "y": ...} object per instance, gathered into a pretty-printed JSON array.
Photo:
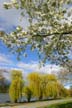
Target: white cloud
[
  {"x": 8, "y": 64},
  {"x": 34, "y": 67},
  {"x": 5, "y": 59}
]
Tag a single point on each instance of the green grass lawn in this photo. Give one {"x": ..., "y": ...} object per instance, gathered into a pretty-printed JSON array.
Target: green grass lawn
[{"x": 61, "y": 105}]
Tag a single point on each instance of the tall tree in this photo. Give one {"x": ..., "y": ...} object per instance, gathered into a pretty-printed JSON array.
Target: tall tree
[
  {"x": 35, "y": 84},
  {"x": 65, "y": 76},
  {"x": 16, "y": 86},
  {"x": 27, "y": 93},
  {"x": 3, "y": 81},
  {"x": 45, "y": 85},
  {"x": 49, "y": 31}
]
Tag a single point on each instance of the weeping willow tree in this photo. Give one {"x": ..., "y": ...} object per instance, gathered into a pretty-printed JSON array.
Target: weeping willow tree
[
  {"x": 49, "y": 30},
  {"x": 35, "y": 84},
  {"x": 44, "y": 86},
  {"x": 16, "y": 86},
  {"x": 27, "y": 93}
]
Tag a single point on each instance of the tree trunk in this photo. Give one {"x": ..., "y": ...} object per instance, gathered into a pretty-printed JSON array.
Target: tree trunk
[{"x": 15, "y": 100}]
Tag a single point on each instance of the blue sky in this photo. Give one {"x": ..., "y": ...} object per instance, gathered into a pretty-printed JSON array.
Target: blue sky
[{"x": 9, "y": 20}]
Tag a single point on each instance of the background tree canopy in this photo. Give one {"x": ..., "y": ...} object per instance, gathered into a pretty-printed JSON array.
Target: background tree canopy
[{"x": 49, "y": 30}]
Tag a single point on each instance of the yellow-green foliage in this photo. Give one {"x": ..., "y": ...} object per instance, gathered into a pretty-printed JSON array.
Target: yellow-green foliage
[
  {"x": 27, "y": 93},
  {"x": 47, "y": 82},
  {"x": 15, "y": 90},
  {"x": 35, "y": 83},
  {"x": 38, "y": 85},
  {"x": 54, "y": 88},
  {"x": 45, "y": 85}
]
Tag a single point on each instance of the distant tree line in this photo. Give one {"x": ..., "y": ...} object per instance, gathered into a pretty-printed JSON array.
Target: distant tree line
[
  {"x": 37, "y": 85},
  {"x": 4, "y": 83}
]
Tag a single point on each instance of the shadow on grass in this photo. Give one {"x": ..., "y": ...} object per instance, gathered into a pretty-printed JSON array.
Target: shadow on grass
[{"x": 33, "y": 101}]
